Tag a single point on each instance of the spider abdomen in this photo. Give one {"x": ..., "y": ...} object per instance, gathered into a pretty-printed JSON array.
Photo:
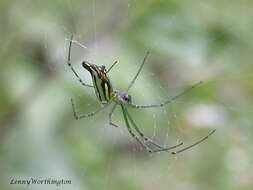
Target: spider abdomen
[{"x": 102, "y": 85}]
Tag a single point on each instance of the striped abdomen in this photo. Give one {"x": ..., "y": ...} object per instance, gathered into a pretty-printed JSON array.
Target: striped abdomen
[{"x": 101, "y": 82}]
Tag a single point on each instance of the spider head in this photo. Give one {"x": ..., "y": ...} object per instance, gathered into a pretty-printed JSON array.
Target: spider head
[
  {"x": 121, "y": 97},
  {"x": 126, "y": 98}
]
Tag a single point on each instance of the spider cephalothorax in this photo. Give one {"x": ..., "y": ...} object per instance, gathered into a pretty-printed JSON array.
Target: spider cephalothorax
[
  {"x": 122, "y": 98},
  {"x": 127, "y": 98},
  {"x": 107, "y": 95}
]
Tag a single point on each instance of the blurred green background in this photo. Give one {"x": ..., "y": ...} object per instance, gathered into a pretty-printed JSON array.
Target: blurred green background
[{"x": 189, "y": 41}]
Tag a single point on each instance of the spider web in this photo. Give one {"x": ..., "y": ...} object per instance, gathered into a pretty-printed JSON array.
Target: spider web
[{"x": 44, "y": 140}]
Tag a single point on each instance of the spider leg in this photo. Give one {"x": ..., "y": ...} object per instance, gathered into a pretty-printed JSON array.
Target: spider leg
[
  {"x": 194, "y": 144},
  {"x": 77, "y": 117},
  {"x": 111, "y": 66},
  {"x": 72, "y": 68},
  {"x": 110, "y": 115},
  {"x": 138, "y": 72},
  {"x": 131, "y": 132},
  {"x": 170, "y": 100},
  {"x": 149, "y": 140}
]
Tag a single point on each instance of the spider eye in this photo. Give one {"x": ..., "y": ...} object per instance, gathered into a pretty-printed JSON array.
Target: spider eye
[{"x": 127, "y": 98}]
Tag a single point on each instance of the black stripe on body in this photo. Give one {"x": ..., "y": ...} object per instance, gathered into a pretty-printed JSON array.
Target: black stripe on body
[
  {"x": 107, "y": 87},
  {"x": 103, "y": 88},
  {"x": 100, "y": 85},
  {"x": 94, "y": 79}
]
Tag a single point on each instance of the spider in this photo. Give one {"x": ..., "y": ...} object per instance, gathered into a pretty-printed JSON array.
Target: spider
[{"x": 107, "y": 95}]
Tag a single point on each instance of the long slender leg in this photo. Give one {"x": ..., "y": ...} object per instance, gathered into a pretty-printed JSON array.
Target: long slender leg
[
  {"x": 78, "y": 43},
  {"x": 169, "y": 148},
  {"x": 110, "y": 116},
  {"x": 147, "y": 139},
  {"x": 131, "y": 132},
  {"x": 111, "y": 66},
  {"x": 77, "y": 117},
  {"x": 138, "y": 72},
  {"x": 72, "y": 68},
  {"x": 194, "y": 144},
  {"x": 167, "y": 101}
]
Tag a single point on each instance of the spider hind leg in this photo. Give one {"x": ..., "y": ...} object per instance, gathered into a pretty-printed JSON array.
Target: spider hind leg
[{"x": 147, "y": 140}]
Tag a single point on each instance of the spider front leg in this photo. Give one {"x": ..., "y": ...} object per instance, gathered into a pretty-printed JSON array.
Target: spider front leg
[
  {"x": 72, "y": 68},
  {"x": 77, "y": 117}
]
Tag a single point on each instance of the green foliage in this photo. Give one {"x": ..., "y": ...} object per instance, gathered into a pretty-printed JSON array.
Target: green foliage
[{"x": 189, "y": 41}]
